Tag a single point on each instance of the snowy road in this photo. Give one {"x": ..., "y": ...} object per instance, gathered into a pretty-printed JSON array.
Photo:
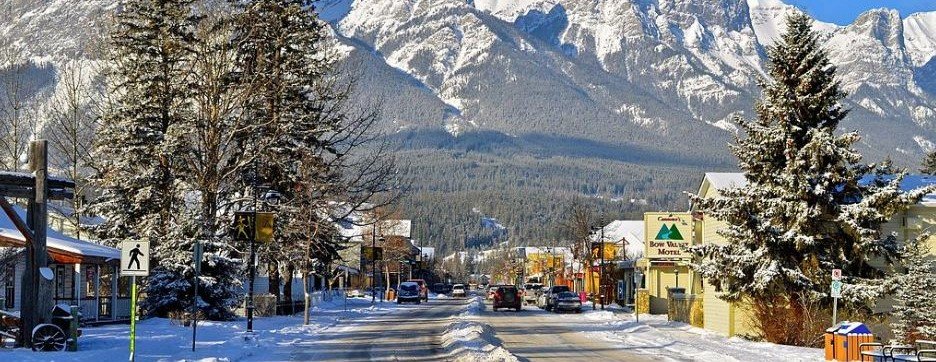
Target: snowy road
[
  {"x": 536, "y": 335},
  {"x": 410, "y": 333}
]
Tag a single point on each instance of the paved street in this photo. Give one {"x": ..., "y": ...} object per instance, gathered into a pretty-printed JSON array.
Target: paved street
[
  {"x": 536, "y": 335},
  {"x": 410, "y": 333}
]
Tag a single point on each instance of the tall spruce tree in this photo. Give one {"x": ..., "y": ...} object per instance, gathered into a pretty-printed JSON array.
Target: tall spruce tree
[
  {"x": 929, "y": 163},
  {"x": 915, "y": 293},
  {"x": 146, "y": 185},
  {"x": 281, "y": 58},
  {"x": 808, "y": 206}
]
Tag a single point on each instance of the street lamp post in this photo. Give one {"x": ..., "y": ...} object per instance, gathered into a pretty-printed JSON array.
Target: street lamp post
[
  {"x": 676, "y": 269},
  {"x": 373, "y": 255}
]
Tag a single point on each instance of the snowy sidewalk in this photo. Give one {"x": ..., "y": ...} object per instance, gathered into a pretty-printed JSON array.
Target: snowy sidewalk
[
  {"x": 158, "y": 340},
  {"x": 656, "y": 336}
]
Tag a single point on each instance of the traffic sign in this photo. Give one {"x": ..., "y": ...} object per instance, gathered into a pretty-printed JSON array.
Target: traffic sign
[
  {"x": 264, "y": 227},
  {"x": 836, "y": 289},
  {"x": 243, "y": 227},
  {"x": 134, "y": 258},
  {"x": 836, "y": 274},
  {"x": 372, "y": 253}
]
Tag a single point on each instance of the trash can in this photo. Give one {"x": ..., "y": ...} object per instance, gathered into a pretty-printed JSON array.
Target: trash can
[
  {"x": 843, "y": 341},
  {"x": 68, "y": 318},
  {"x": 391, "y": 294}
]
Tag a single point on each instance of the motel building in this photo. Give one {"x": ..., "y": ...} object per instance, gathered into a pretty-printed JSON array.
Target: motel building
[
  {"x": 665, "y": 264},
  {"x": 731, "y": 319}
]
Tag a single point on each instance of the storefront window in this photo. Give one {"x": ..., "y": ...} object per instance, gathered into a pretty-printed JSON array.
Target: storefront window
[
  {"x": 64, "y": 281},
  {"x": 107, "y": 277},
  {"x": 90, "y": 274},
  {"x": 9, "y": 289},
  {"x": 124, "y": 287}
]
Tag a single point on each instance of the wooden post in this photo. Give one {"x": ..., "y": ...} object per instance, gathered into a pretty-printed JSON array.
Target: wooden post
[{"x": 37, "y": 292}]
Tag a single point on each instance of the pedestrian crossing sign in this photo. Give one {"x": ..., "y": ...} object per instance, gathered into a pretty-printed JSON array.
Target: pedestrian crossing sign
[{"x": 134, "y": 258}]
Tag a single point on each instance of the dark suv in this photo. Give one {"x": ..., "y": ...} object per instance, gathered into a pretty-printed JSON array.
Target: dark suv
[{"x": 507, "y": 296}]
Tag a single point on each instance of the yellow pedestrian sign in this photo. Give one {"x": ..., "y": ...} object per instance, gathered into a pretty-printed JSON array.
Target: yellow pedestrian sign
[
  {"x": 265, "y": 227},
  {"x": 244, "y": 224},
  {"x": 134, "y": 258}
]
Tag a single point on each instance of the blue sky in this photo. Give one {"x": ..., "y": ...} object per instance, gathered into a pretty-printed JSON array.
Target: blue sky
[{"x": 843, "y": 12}]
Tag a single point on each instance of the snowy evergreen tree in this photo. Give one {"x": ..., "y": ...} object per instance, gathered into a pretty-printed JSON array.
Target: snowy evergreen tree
[
  {"x": 929, "y": 163},
  {"x": 915, "y": 310},
  {"x": 282, "y": 59},
  {"x": 146, "y": 183},
  {"x": 808, "y": 206}
]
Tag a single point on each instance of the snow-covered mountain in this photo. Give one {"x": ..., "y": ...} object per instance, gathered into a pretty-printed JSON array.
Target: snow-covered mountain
[
  {"x": 611, "y": 99},
  {"x": 632, "y": 68},
  {"x": 619, "y": 71}
]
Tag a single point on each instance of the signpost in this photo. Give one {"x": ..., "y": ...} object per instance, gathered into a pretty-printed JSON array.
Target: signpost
[
  {"x": 134, "y": 262},
  {"x": 252, "y": 226},
  {"x": 836, "y": 293},
  {"x": 197, "y": 256},
  {"x": 638, "y": 277}
]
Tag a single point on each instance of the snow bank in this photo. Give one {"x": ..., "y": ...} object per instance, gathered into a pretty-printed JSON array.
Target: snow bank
[
  {"x": 656, "y": 336},
  {"x": 466, "y": 340},
  {"x": 159, "y": 340}
]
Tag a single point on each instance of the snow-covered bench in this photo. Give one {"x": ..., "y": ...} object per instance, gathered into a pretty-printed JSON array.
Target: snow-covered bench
[
  {"x": 882, "y": 352},
  {"x": 926, "y": 352}
]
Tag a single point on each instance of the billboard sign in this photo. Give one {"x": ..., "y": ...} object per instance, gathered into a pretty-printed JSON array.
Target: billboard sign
[{"x": 668, "y": 234}]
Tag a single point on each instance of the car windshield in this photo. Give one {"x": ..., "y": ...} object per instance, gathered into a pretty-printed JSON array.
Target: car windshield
[
  {"x": 560, "y": 289},
  {"x": 409, "y": 287},
  {"x": 459, "y": 287},
  {"x": 567, "y": 295}
]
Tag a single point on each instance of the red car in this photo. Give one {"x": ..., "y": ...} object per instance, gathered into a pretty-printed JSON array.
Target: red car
[{"x": 423, "y": 289}]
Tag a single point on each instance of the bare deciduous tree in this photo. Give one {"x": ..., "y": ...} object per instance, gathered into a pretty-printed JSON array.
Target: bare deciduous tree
[{"x": 70, "y": 128}]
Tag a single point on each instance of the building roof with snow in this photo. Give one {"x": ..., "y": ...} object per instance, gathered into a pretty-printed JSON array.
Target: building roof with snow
[
  {"x": 395, "y": 228},
  {"x": 427, "y": 251},
  {"x": 730, "y": 180},
  {"x": 61, "y": 248},
  {"x": 630, "y": 233}
]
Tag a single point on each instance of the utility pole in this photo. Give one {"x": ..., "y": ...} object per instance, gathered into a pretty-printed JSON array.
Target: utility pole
[
  {"x": 601, "y": 287},
  {"x": 253, "y": 256},
  {"x": 374, "y": 263}
]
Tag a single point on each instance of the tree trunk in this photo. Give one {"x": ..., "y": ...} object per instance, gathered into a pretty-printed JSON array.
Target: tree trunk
[
  {"x": 306, "y": 299},
  {"x": 274, "y": 280},
  {"x": 287, "y": 285}
]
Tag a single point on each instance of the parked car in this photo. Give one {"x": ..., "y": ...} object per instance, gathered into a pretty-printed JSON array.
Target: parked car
[
  {"x": 507, "y": 296},
  {"x": 548, "y": 299},
  {"x": 490, "y": 292},
  {"x": 458, "y": 291},
  {"x": 531, "y": 292},
  {"x": 442, "y": 288},
  {"x": 567, "y": 301},
  {"x": 409, "y": 292},
  {"x": 423, "y": 289}
]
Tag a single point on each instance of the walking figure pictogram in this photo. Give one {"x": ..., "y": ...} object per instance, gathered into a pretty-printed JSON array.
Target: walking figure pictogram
[
  {"x": 135, "y": 255},
  {"x": 242, "y": 228}
]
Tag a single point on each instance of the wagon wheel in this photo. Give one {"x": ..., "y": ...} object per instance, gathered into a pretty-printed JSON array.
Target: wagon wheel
[{"x": 48, "y": 337}]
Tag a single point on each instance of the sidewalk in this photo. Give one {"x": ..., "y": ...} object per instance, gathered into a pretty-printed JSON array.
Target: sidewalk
[{"x": 657, "y": 336}]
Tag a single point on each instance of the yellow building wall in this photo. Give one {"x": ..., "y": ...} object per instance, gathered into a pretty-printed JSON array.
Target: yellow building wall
[
  {"x": 659, "y": 279},
  {"x": 716, "y": 312},
  {"x": 735, "y": 318}
]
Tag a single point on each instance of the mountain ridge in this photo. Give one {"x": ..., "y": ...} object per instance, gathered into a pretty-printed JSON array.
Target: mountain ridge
[{"x": 517, "y": 107}]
